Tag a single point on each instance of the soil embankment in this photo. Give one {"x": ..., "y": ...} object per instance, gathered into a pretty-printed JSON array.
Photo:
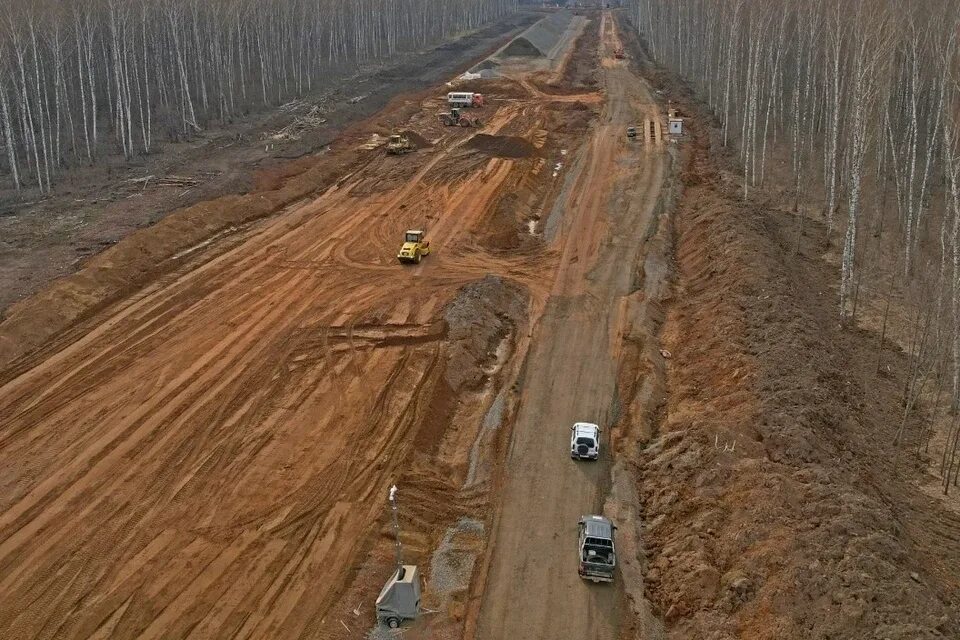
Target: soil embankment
[{"x": 774, "y": 502}]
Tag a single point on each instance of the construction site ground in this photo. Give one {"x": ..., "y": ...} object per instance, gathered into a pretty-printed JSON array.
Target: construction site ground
[
  {"x": 199, "y": 429},
  {"x": 91, "y": 208}
]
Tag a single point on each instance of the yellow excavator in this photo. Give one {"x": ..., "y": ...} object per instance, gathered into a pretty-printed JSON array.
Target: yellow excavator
[{"x": 414, "y": 247}]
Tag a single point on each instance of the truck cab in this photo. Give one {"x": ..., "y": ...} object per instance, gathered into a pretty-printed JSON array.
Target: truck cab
[
  {"x": 597, "y": 555},
  {"x": 584, "y": 441}
]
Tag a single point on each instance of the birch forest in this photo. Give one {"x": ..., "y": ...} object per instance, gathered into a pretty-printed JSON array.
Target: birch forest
[
  {"x": 856, "y": 106},
  {"x": 84, "y": 79}
]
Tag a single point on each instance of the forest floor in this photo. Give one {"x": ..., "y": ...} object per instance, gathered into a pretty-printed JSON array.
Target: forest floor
[
  {"x": 93, "y": 207},
  {"x": 199, "y": 428}
]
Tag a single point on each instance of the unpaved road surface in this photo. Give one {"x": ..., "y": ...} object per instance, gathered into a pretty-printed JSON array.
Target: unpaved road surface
[
  {"x": 207, "y": 456},
  {"x": 533, "y": 590}
]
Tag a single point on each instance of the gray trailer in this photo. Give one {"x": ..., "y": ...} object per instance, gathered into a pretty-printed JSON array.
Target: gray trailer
[
  {"x": 597, "y": 555},
  {"x": 399, "y": 599}
]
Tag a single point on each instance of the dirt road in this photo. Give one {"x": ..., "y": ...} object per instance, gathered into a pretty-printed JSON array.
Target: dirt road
[
  {"x": 533, "y": 590},
  {"x": 208, "y": 456}
]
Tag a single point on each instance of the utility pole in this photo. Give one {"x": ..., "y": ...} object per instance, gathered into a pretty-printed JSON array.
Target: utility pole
[{"x": 396, "y": 524}]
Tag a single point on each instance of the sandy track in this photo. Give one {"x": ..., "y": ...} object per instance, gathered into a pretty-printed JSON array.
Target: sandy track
[
  {"x": 532, "y": 589},
  {"x": 208, "y": 458}
]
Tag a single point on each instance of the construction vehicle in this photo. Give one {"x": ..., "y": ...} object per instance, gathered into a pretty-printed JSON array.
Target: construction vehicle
[
  {"x": 399, "y": 599},
  {"x": 414, "y": 247},
  {"x": 465, "y": 99},
  {"x": 399, "y": 144},
  {"x": 631, "y": 132},
  {"x": 597, "y": 556},
  {"x": 619, "y": 54},
  {"x": 456, "y": 119}
]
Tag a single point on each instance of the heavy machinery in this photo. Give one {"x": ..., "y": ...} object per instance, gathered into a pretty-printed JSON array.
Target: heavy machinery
[
  {"x": 619, "y": 54},
  {"x": 399, "y": 144},
  {"x": 597, "y": 556},
  {"x": 456, "y": 119},
  {"x": 414, "y": 247},
  {"x": 465, "y": 99},
  {"x": 631, "y": 132}
]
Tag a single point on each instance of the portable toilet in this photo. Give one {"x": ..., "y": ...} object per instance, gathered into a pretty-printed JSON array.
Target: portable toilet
[{"x": 400, "y": 597}]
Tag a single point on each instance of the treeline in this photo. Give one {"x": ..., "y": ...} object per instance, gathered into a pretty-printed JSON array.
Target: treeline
[
  {"x": 89, "y": 77},
  {"x": 860, "y": 100}
]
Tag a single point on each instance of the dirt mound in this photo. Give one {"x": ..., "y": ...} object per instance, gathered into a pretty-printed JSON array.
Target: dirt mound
[
  {"x": 542, "y": 37},
  {"x": 486, "y": 65},
  {"x": 481, "y": 314},
  {"x": 502, "y": 146},
  {"x": 522, "y": 48},
  {"x": 416, "y": 139},
  {"x": 769, "y": 493}
]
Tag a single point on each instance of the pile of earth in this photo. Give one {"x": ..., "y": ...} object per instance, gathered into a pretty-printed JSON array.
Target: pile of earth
[
  {"x": 416, "y": 139},
  {"x": 502, "y": 146},
  {"x": 522, "y": 48}
]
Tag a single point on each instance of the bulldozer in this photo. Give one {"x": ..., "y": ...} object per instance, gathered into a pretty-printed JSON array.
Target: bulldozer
[
  {"x": 456, "y": 119},
  {"x": 399, "y": 144},
  {"x": 414, "y": 247}
]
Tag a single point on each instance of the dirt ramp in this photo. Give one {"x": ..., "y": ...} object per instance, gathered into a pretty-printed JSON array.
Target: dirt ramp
[
  {"x": 416, "y": 139},
  {"x": 522, "y": 48},
  {"x": 540, "y": 39},
  {"x": 502, "y": 146}
]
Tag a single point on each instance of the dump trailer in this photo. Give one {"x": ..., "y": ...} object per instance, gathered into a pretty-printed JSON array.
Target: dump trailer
[
  {"x": 399, "y": 599},
  {"x": 597, "y": 555}
]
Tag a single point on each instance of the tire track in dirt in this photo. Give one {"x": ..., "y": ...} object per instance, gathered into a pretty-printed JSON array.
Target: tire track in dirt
[
  {"x": 532, "y": 589},
  {"x": 207, "y": 455}
]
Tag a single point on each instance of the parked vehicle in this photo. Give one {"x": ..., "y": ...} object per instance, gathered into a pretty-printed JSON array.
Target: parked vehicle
[
  {"x": 597, "y": 555},
  {"x": 584, "y": 441},
  {"x": 465, "y": 99}
]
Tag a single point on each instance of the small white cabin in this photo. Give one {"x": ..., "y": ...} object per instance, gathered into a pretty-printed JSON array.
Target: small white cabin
[{"x": 676, "y": 126}]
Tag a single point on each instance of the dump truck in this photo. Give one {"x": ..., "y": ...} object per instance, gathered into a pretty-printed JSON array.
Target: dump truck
[
  {"x": 596, "y": 552},
  {"x": 398, "y": 144},
  {"x": 399, "y": 599},
  {"x": 414, "y": 247},
  {"x": 465, "y": 99},
  {"x": 454, "y": 118}
]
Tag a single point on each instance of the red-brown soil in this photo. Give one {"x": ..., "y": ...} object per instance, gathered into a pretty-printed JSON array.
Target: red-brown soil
[{"x": 775, "y": 503}]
